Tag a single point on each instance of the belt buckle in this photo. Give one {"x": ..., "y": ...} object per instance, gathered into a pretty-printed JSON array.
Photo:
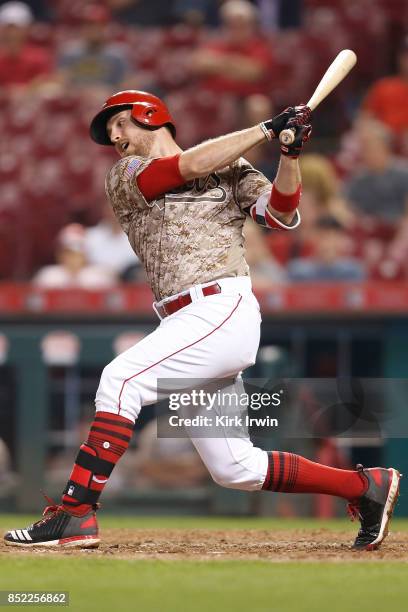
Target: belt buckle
[{"x": 169, "y": 300}]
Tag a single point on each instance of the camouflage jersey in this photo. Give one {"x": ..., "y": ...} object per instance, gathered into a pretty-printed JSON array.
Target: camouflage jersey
[{"x": 189, "y": 235}]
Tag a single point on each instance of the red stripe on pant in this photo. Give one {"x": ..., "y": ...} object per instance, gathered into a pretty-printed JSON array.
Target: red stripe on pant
[{"x": 127, "y": 380}]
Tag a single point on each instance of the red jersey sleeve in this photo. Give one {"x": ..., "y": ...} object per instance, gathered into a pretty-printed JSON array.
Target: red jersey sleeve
[
  {"x": 160, "y": 176},
  {"x": 372, "y": 101}
]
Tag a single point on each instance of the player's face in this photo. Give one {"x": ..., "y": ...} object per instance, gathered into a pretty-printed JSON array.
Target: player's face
[{"x": 128, "y": 137}]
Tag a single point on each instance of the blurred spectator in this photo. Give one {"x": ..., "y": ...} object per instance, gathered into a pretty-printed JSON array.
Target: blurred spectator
[
  {"x": 107, "y": 245},
  {"x": 331, "y": 261},
  {"x": 196, "y": 12},
  {"x": 135, "y": 273},
  {"x": 380, "y": 188},
  {"x": 289, "y": 11},
  {"x": 321, "y": 190},
  {"x": 387, "y": 100},
  {"x": 92, "y": 60},
  {"x": 143, "y": 12},
  {"x": 269, "y": 13},
  {"x": 21, "y": 62},
  {"x": 72, "y": 268},
  {"x": 170, "y": 60},
  {"x": 394, "y": 261},
  {"x": 320, "y": 197},
  {"x": 240, "y": 62},
  {"x": 42, "y": 9},
  {"x": 265, "y": 157},
  {"x": 264, "y": 269}
]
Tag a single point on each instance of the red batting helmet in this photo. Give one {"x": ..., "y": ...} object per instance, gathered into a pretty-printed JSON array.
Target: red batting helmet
[{"x": 147, "y": 110}]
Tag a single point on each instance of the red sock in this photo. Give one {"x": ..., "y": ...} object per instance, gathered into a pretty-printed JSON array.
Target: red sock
[
  {"x": 108, "y": 439},
  {"x": 291, "y": 473}
]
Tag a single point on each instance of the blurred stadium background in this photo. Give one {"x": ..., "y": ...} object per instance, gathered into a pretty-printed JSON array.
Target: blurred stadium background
[{"x": 334, "y": 295}]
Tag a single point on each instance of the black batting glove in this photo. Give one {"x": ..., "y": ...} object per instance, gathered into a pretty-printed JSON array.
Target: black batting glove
[
  {"x": 301, "y": 115},
  {"x": 302, "y": 135},
  {"x": 273, "y": 127}
]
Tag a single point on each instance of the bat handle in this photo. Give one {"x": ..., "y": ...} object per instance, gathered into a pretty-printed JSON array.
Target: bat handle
[{"x": 286, "y": 137}]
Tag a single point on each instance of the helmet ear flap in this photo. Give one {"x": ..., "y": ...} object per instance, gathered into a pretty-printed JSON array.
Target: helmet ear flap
[
  {"x": 142, "y": 113},
  {"x": 152, "y": 116}
]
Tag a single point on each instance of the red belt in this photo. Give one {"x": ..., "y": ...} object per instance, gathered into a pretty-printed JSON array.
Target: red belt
[{"x": 175, "y": 304}]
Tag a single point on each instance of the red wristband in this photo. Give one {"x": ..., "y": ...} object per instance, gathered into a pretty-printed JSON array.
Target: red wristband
[{"x": 283, "y": 202}]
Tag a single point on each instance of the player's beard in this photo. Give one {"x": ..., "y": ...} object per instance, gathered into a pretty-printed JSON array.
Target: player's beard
[{"x": 142, "y": 146}]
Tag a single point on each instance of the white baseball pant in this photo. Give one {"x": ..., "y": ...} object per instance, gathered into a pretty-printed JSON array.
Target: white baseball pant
[{"x": 213, "y": 337}]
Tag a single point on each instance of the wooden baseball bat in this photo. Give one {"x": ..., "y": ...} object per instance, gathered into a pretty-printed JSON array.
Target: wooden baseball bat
[{"x": 336, "y": 72}]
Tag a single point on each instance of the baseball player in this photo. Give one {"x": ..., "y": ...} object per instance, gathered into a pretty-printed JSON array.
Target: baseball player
[{"x": 183, "y": 212}]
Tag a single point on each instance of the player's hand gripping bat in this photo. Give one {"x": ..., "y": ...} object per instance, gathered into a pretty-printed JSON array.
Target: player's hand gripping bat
[{"x": 336, "y": 72}]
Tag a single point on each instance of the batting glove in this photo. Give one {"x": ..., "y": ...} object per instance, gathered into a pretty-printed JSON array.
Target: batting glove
[
  {"x": 303, "y": 115},
  {"x": 302, "y": 135},
  {"x": 273, "y": 127}
]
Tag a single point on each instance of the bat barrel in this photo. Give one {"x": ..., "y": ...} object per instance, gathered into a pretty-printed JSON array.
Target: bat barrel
[{"x": 336, "y": 72}]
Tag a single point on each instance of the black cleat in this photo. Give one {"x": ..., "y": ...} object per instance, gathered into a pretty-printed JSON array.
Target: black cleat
[
  {"x": 374, "y": 509},
  {"x": 58, "y": 528}
]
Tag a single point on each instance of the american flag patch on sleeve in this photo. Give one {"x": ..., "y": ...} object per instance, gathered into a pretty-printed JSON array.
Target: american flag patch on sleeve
[{"x": 131, "y": 168}]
